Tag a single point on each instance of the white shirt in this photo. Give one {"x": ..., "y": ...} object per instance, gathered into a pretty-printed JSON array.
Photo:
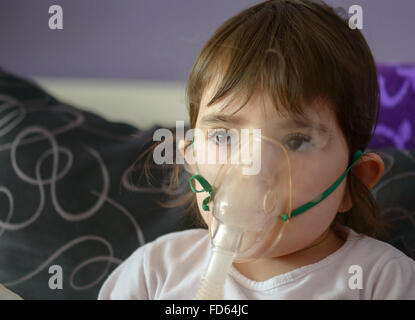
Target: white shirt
[
  {"x": 172, "y": 266},
  {"x": 6, "y": 294}
]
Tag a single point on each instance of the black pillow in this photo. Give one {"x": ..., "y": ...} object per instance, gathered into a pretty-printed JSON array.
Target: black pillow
[
  {"x": 65, "y": 196},
  {"x": 394, "y": 192}
]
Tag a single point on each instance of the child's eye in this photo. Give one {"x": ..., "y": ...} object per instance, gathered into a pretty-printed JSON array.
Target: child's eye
[
  {"x": 297, "y": 142},
  {"x": 220, "y": 137}
]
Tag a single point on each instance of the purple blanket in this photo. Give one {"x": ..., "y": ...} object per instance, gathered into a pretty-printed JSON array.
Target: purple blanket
[{"x": 396, "y": 124}]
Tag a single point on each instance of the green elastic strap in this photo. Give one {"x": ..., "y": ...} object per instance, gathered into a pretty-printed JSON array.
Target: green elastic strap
[
  {"x": 206, "y": 187},
  {"x": 193, "y": 153},
  {"x": 325, "y": 194}
]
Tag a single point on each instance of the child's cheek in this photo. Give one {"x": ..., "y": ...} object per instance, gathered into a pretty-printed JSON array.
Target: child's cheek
[
  {"x": 206, "y": 215},
  {"x": 305, "y": 228}
]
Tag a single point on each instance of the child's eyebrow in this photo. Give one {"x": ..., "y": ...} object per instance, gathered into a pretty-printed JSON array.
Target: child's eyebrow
[
  {"x": 211, "y": 119},
  {"x": 285, "y": 124},
  {"x": 302, "y": 123}
]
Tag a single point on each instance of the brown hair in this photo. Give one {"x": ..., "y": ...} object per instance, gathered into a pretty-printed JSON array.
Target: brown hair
[{"x": 297, "y": 51}]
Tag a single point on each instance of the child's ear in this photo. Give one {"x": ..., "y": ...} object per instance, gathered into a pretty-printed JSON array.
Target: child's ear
[
  {"x": 186, "y": 154},
  {"x": 183, "y": 145},
  {"x": 369, "y": 169}
]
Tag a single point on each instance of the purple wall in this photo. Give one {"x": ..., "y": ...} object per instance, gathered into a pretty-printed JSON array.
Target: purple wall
[{"x": 155, "y": 40}]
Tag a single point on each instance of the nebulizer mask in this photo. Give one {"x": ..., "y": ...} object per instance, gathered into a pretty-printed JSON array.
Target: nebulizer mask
[{"x": 246, "y": 179}]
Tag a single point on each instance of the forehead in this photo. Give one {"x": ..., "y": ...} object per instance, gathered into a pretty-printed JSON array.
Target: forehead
[{"x": 260, "y": 110}]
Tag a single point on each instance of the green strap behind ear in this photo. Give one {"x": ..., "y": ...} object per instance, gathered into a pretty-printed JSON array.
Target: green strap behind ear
[
  {"x": 325, "y": 194},
  {"x": 206, "y": 187},
  {"x": 193, "y": 153}
]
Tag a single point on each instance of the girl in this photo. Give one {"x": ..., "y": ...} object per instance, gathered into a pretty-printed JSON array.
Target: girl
[{"x": 279, "y": 60}]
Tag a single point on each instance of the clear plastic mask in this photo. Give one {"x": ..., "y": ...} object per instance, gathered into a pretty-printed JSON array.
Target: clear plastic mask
[{"x": 250, "y": 173}]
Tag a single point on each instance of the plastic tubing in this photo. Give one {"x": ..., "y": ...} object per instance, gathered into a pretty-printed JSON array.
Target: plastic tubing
[{"x": 225, "y": 244}]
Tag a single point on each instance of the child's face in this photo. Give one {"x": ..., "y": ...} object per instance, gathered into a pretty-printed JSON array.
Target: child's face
[{"x": 309, "y": 179}]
